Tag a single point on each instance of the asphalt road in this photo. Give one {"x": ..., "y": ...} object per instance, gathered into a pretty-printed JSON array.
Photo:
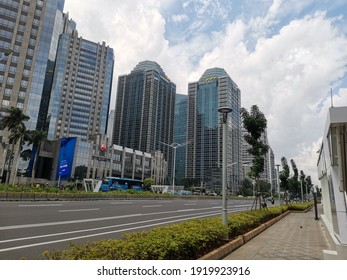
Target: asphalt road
[{"x": 28, "y": 228}]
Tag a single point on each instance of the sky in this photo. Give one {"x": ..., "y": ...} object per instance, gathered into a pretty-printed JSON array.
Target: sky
[{"x": 288, "y": 57}]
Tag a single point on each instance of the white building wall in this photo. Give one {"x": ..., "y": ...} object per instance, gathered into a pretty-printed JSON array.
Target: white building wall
[{"x": 332, "y": 164}]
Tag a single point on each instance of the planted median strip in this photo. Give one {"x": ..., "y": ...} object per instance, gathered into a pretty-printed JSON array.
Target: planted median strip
[{"x": 188, "y": 240}]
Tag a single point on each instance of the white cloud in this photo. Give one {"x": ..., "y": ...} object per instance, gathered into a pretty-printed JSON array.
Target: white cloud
[
  {"x": 288, "y": 75},
  {"x": 179, "y": 18}
]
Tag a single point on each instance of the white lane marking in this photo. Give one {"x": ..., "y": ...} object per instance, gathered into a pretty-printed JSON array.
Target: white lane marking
[
  {"x": 149, "y": 206},
  {"x": 97, "y": 219},
  {"x": 211, "y": 203},
  {"x": 121, "y": 203},
  {"x": 79, "y": 210},
  {"x": 101, "y": 228},
  {"x": 103, "y": 233},
  {"x": 189, "y": 204},
  {"x": 39, "y": 205}
]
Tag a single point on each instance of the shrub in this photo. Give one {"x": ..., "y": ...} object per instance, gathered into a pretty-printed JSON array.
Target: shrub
[
  {"x": 187, "y": 240},
  {"x": 182, "y": 241},
  {"x": 300, "y": 206}
]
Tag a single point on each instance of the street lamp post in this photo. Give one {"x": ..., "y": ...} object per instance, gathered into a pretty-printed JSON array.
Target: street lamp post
[
  {"x": 302, "y": 192},
  {"x": 314, "y": 190},
  {"x": 278, "y": 184},
  {"x": 174, "y": 145},
  {"x": 225, "y": 111},
  {"x": 231, "y": 178}
]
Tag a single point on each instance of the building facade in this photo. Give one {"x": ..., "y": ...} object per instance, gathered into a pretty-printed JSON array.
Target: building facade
[
  {"x": 332, "y": 173},
  {"x": 180, "y": 136},
  {"x": 31, "y": 29},
  {"x": 268, "y": 175},
  {"x": 145, "y": 110},
  {"x": 215, "y": 89},
  {"x": 73, "y": 157},
  {"x": 81, "y": 89}
]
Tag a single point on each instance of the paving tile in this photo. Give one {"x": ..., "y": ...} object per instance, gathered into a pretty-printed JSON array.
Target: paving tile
[{"x": 298, "y": 236}]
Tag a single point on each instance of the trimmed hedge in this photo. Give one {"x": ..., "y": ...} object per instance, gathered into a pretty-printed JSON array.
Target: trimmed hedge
[
  {"x": 187, "y": 240},
  {"x": 182, "y": 241}
]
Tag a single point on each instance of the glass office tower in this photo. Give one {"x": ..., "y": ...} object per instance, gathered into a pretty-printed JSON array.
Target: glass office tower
[
  {"x": 81, "y": 89},
  {"x": 214, "y": 89},
  {"x": 180, "y": 136},
  {"x": 145, "y": 110},
  {"x": 31, "y": 30}
]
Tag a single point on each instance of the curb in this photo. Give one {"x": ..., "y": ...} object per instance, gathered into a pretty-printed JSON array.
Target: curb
[
  {"x": 236, "y": 243},
  {"x": 224, "y": 250}
]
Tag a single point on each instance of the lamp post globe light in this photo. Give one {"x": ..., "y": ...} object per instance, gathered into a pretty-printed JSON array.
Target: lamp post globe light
[{"x": 225, "y": 111}]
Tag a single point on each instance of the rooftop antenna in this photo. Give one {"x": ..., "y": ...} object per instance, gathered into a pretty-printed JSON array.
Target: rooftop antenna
[{"x": 331, "y": 97}]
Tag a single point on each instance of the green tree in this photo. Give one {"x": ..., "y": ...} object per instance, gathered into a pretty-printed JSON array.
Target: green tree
[
  {"x": 308, "y": 185},
  {"x": 284, "y": 174},
  {"x": 247, "y": 187},
  {"x": 293, "y": 182},
  {"x": 255, "y": 124},
  {"x": 147, "y": 183},
  {"x": 19, "y": 135},
  {"x": 36, "y": 137},
  {"x": 13, "y": 119},
  {"x": 14, "y": 122},
  {"x": 264, "y": 187}
]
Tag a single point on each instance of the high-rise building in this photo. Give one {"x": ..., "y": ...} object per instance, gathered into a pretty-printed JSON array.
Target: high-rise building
[
  {"x": 145, "y": 110},
  {"x": 180, "y": 136},
  {"x": 61, "y": 81},
  {"x": 247, "y": 158},
  {"x": 215, "y": 89},
  {"x": 272, "y": 169},
  {"x": 110, "y": 123},
  {"x": 81, "y": 89},
  {"x": 31, "y": 30}
]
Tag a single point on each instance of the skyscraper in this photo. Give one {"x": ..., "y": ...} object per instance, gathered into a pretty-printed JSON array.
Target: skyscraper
[
  {"x": 31, "y": 30},
  {"x": 180, "y": 135},
  {"x": 81, "y": 89},
  {"x": 247, "y": 158},
  {"x": 145, "y": 108},
  {"x": 215, "y": 89}
]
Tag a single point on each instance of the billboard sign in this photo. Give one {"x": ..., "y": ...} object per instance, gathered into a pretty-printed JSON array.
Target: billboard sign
[{"x": 66, "y": 156}]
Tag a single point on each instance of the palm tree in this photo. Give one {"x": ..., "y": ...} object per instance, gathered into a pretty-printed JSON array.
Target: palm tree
[
  {"x": 37, "y": 137},
  {"x": 18, "y": 134},
  {"x": 13, "y": 119},
  {"x": 14, "y": 122}
]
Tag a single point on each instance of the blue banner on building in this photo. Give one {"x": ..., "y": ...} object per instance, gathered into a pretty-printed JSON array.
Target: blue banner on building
[{"x": 66, "y": 156}]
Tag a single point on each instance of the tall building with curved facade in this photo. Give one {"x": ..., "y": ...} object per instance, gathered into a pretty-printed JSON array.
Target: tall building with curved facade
[
  {"x": 215, "y": 89},
  {"x": 145, "y": 110}
]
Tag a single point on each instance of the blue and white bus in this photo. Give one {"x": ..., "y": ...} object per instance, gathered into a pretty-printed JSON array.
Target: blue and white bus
[{"x": 116, "y": 183}]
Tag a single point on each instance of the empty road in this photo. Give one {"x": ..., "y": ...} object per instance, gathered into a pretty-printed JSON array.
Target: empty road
[{"x": 28, "y": 228}]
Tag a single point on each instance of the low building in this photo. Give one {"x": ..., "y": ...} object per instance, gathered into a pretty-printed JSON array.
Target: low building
[
  {"x": 76, "y": 158},
  {"x": 332, "y": 172}
]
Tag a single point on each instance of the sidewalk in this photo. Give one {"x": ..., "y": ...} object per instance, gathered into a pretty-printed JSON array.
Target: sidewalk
[{"x": 298, "y": 236}]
